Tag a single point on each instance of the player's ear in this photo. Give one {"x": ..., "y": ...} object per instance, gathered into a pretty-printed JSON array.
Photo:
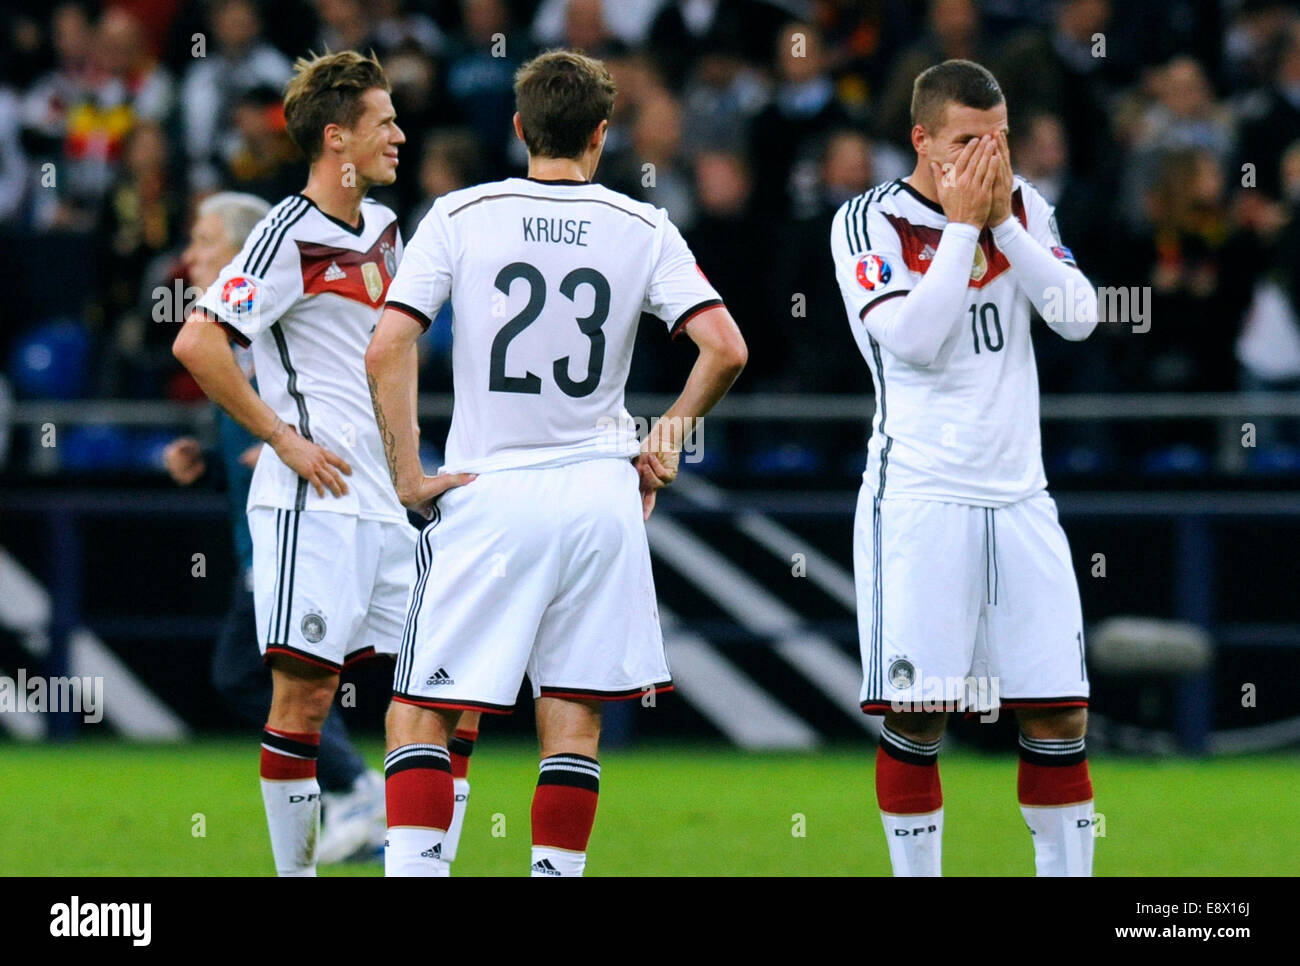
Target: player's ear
[
  {"x": 598, "y": 135},
  {"x": 920, "y": 139},
  {"x": 519, "y": 127},
  {"x": 333, "y": 137}
]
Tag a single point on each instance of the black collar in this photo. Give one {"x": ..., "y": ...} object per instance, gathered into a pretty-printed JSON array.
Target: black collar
[
  {"x": 556, "y": 181},
  {"x": 932, "y": 205},
  {"x": 361, "y": 218}
]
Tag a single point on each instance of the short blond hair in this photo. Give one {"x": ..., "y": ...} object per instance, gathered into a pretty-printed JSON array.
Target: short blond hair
[{"x": 327, "y": 89}]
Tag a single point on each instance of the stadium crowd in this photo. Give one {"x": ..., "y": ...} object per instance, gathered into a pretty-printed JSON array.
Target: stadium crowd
[{"x": 1166, "y": 132}]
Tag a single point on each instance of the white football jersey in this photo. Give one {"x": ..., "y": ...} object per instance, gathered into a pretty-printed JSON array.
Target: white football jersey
[
  {"x": 964, "y": 430},
  {"x": 547, "y": 281},
  {"x": 306, "y": 293}
]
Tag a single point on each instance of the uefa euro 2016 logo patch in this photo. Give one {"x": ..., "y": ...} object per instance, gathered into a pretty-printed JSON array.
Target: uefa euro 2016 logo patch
[
  {"x": 238, "y": 294},
  {"x": 1064, "y": 254},
  {"x": 873, "y": 272}
]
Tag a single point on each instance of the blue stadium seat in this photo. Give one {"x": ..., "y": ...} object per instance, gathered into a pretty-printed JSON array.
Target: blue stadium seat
[
  {"x": 50, "y": 361},
  {"x": 1180, "y": 460},
  {"x": 83, "y": 449}
]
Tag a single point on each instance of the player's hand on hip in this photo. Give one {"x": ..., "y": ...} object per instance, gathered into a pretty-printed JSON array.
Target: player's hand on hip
[
  {"x": 184, "y": 460},
  {"x": 1003, "y": 184},
  {"x": 965, "y": 186},
  {"x": 320, "y": 467},
  {"x": 653, "y": 475},
  {"x": 419, "y": 498}
]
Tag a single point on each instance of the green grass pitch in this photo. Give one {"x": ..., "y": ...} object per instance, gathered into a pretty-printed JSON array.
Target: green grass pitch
[{"x": 103, "y": 808}]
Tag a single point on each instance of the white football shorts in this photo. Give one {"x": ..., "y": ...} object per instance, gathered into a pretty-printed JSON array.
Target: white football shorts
[
  {"x": 543, "y": 571},
  {"x": 330, "y": 588},
  {"x": 966, "y": 608}
]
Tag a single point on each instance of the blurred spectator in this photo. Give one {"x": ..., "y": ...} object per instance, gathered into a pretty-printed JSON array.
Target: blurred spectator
[
  {"x": 1054, "y": 69},
  {"x": 263, "y": 160},
  {"x": 782, "y": 137},
  {"x": 13, "y": 161},
  {"x": 822, "y": 354},
  {"x": 1040, "y": 153},
  {"x": 626, "y": 20},
  {"x": 1256, "y": 32},
  {"x": 401, "y": 28},
  {"x": 685, "y": 31},
  {"x": 1183, "y": 114},
  {"x": 952, "y": 32},
  {"x": 451, "y": 161},
  {"x": 585, "y": 28},
  {"x": 723, "y": 94},
  {"x": 237, "y": 61},
  {"x": 78, "y": 115},
  {"x": 422, "y": 105},
  {"x": 732, "y": 247},
  {"x": 1269, "y": 347},
  {"x": 480, "y": 83},
  {"x": 345, "y": 25},
  {"x": 653, "y": 170},
  {"x": 142, "y": 222},
  {"x": 637, "y": 80},
  {"x": 1200, "y": 272},
  {"x": 125, "y": 56},
  {"x": 1274, "y": 122}
]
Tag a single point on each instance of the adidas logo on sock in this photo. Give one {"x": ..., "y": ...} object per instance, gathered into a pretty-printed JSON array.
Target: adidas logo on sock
[
  {"x": 439, "y": 677},
  {"x": 334, "y": 273},
  {"x": 433, "y": 853},
  {"x": 545, "y": 868}
]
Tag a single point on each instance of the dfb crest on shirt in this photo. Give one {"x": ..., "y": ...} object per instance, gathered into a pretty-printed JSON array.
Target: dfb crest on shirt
[
  {"x": 239, "y": 294},
  {"x": 873, "y": 272},
  {"x": 390, "y": 258},
  {"x": 374, "y": 281},
  {"x": 313, "y": 628}
]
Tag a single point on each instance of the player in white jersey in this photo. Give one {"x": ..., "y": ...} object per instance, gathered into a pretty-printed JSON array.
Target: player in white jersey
[
  {"x": 333, "y": 551},
  {"x": 540, "y": 565},
  {"x": 967, "y": 598}
]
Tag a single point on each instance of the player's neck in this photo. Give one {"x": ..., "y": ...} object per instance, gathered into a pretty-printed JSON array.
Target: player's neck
[
  {"x": 328, "y": 192},
  {"x": 923, "y": 182},
  {"x": 558, "y": 169}
]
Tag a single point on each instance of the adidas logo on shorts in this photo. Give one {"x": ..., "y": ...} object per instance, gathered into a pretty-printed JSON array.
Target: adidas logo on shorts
[
  {"x": 545, "y": 867},
  {"x": 433, "y": 853},
  {"x": 439, "y": 677}
]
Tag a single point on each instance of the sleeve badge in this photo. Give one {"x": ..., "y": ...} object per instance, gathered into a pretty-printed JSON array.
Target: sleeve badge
[{"x": 873, "y": 272}]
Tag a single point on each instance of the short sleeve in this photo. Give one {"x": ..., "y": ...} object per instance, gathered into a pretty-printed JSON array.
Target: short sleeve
[
  {"x": 678, "y": 290},
  {"x": 868, "y": 258},
  {"x": 263, "y": 281},
  {"x": 1041, "y": 224},
  {"x": 423, "y": 280}
]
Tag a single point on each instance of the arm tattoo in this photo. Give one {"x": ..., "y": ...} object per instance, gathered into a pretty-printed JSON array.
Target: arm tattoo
[{"x": 385, "y": 434}]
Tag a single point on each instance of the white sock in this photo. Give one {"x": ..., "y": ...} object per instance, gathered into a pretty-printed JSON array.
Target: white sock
[
  {"x": 915, "y": 843},
  {"x": 415, "y": 852},
  {"x": 551, "y": 863},
  {"x": 293, "y": 817},
  {"x": 1063, "y": 838},
  {"x": 451, "y": 841}
]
